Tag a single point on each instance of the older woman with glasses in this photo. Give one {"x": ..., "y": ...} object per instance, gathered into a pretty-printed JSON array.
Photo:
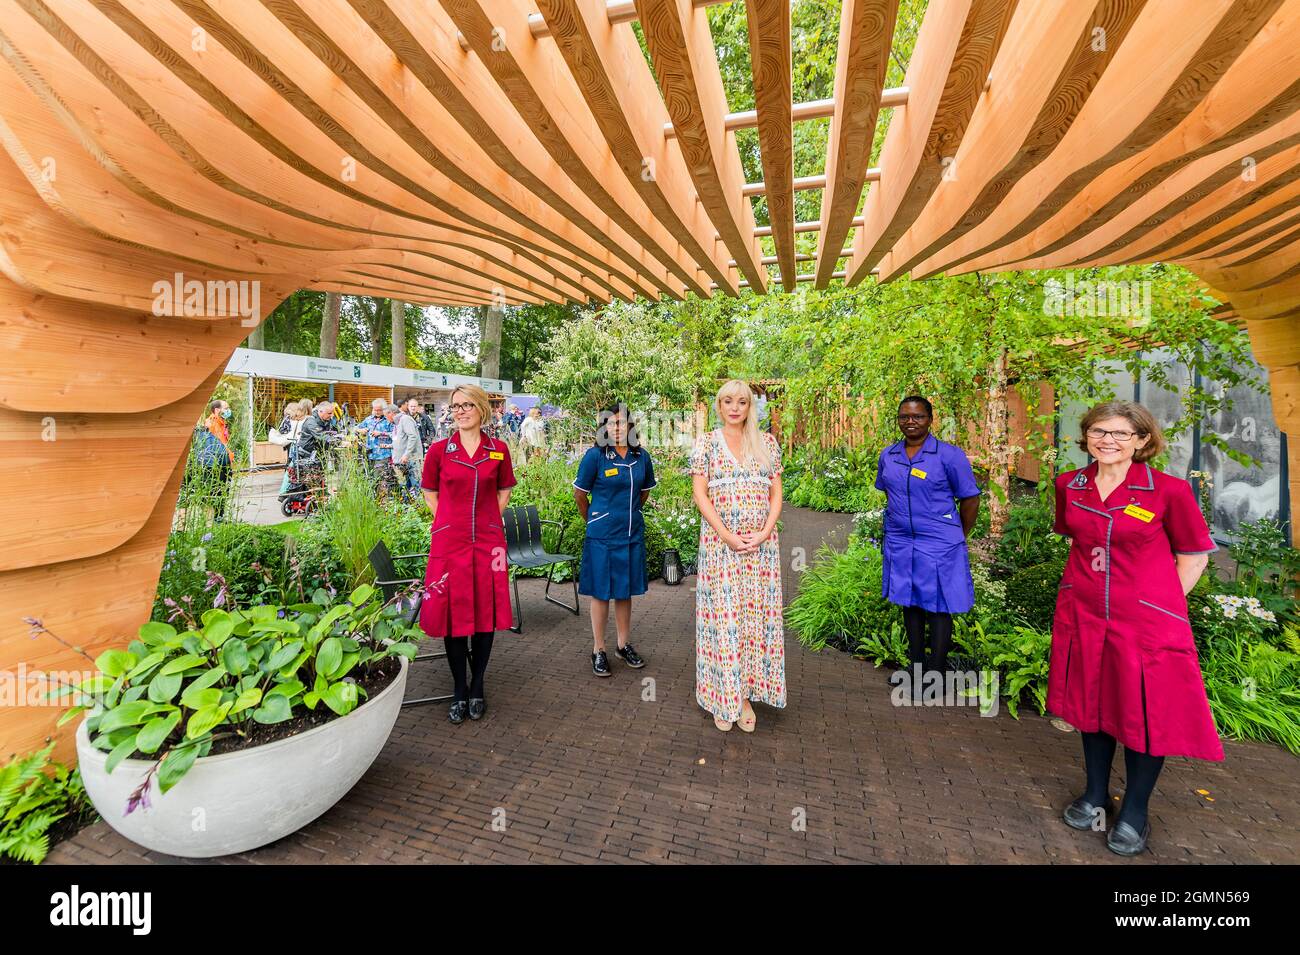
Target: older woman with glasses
[
  {"x": 466, "y": 481},
  {"x": 1124, "y": 665},
  {"x": 932, "y": 503}
]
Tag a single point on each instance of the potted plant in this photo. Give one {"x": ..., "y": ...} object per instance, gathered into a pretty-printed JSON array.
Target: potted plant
[{"x": 250, "y": 723}]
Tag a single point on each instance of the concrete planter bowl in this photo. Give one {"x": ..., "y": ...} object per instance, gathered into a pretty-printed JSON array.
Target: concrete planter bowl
[{"x": 241, "y": 800}]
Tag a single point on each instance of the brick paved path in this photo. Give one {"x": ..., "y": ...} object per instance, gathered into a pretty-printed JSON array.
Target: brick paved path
[{"x": 585, "y": 770}]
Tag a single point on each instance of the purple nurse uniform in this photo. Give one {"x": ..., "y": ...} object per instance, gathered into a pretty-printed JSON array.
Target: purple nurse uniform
[{"x": 925, "y": 561}]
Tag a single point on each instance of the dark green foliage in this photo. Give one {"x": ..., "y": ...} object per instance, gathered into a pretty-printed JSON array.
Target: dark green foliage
[
  {"x": 839, "y": 601},
  {"x": 1031, "y": 593}
]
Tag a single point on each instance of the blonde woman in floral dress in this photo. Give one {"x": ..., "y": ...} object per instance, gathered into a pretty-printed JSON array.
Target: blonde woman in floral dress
[{"x": 739, "y": 634}]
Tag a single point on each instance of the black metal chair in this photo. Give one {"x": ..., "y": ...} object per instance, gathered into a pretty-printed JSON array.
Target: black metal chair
[
  {"x": 524, "y": 548},
  {"x": 390, "y": 585}
]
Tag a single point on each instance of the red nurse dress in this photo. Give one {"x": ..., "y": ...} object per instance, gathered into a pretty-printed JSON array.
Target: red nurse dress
[
  {"x": 1123, "y": 659},
  {"x": 467, "y": 586}
]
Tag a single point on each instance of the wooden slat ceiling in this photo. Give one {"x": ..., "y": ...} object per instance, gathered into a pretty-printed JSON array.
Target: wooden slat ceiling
[{"x": 470, "y": 152}]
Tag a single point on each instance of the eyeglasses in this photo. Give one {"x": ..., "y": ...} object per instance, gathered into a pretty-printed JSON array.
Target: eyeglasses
[
  {"x": 912, "y": 417},
  {"x": 463, "y": 406},
  {"x": 1122, "y": 436}
]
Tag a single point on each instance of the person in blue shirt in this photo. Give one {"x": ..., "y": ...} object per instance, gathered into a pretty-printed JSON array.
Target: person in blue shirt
[
  {"x": 614, "y": 479},
  {"x": 933, "y": 501},
  {"x": 379, "y": 448}
]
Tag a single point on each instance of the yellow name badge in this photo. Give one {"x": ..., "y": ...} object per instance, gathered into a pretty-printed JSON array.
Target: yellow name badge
[
  {"x": 918, "y": 473},
  {"x": 612, "y": 472},
  {"x": 1140, "y": 513},
  {"x": 497, "y": 455}
]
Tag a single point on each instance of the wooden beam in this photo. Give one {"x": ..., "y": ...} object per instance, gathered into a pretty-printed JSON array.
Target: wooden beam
[
  {"x": 769, "y": 53},
  {"x": 866, "y": 35},
  {"x": 608, "y": 67},
  {"x": 1033, "y": 99},
  {"x": 955, "y": 49},
  {"x": 681, "y": 47}
]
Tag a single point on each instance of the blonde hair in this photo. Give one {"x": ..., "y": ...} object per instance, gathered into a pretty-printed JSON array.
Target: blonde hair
[
  {"x": 1142, "y": 420},
  {"x": 479, "y": 398},
  {"x": 752, "y": 445}
]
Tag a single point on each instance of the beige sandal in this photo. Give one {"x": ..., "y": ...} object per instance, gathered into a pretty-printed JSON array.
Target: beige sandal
[
  {"x": 747, "y": 725},
  {"x": 722, "y": 724}
]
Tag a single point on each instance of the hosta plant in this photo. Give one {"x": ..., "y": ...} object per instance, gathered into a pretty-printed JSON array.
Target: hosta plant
[{"x": 171, "y": 695}]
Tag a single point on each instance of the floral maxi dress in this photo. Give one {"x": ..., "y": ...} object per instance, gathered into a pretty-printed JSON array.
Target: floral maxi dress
[{"x": 739, "y": 632}]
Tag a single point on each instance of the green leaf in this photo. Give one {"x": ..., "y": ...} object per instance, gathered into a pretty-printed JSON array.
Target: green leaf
[
  {"x": 114, "y": 663},
  {"x": 154, "y": 733},
  {"x": 120, "y": 752},
  {"x": 71, "y": 714},
  {"x": 156, "y": 633},
  {"x": 164, "y": 687},
  {"x": 148, "y": 663},
  {"x": 176, "y": 764},
  {"x": 201, "y": 698},
  {"x": 217, "y": 632},
  {"x": 205, "y": 719},
  {"x": 341, "y": 697},
  {"x": 182, "y": 663},
  {"x": 361, "y": 595},
  {"x": 282, "y": 656},
  {"x": 289, "y": 688},
  {"x": 128, "y": 714},
  {"x": 249, "y": 697},
  {"x": 329, "y": 656},
  {"x": 274, "y": 709},
  {"x": 234, "y": 656}
]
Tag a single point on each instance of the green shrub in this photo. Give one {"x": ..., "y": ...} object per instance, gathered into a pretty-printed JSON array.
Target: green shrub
[
  {"x": 1031, "y": 593},
  {"x": 1253, "y": 689},
  {"x": 35, "y": 793},
  {"x": 1020, "y": 655},
  {"x": 1027, "y": 539},
  {"x": 839, "y": 601}
]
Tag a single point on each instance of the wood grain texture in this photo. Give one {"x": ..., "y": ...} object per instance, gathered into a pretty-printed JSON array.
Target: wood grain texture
[
  {"x": 866, "y": 32},
  {"x": 677, "y": 34},
  {"x": 769, "y": 54}
]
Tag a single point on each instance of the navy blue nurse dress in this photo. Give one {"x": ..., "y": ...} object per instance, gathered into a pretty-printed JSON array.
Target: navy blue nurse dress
[
  {"x": 925, "y": 561},
  {"x": 613, "y": 555}
]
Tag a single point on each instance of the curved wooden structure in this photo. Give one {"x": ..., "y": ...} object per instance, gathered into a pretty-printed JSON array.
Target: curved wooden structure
[{"x": 476, "y": 151}]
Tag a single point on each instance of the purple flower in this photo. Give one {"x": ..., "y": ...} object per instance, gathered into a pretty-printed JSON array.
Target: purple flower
[
  {"x": 205, "y": 538},
  {"x": 139, "y": 798}
]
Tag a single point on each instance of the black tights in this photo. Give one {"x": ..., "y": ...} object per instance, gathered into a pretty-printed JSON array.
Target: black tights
[
  {"x": 475, "y": 650},
  {"x": 1142, "y": 770},
  {"x": 915, "y": 620}
]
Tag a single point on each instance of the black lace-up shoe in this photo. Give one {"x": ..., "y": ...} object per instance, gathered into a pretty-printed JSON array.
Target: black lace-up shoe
[
  {"x": 477, "y": 707},
  {"x": 629, "y": 656},
  {"x": 457, "y": 711},
  {"x": 600, "y": 664}
]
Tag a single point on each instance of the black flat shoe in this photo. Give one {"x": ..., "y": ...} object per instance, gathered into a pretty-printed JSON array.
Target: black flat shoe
[
  {"x": 1081, "y": 814},
  {"x": 600, "y": 664},
  {"x": 457, "y": 711},
  {"x": 629, "y": 656},
  {"x": 477, "y": 707},
  {"x": 1124, "y": 840}
]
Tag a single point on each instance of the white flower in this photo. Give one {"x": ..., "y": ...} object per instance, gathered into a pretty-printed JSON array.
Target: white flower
[
  {"x": 1230, "y": 613},
  {"x": 1252, "y": 602}
]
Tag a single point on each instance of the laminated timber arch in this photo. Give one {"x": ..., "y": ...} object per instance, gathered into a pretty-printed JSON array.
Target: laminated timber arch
[{"x": 480, "y": 151}]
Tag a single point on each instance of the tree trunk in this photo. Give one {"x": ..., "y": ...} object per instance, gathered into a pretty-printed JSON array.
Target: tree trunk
[
  {"x": 999, "y": 444},
  {"x": 257, "y": 337},
  {"x": 489, "y": 349},
  {"x": 397, "y": 310},
  {"x": 329, "y": 325}
]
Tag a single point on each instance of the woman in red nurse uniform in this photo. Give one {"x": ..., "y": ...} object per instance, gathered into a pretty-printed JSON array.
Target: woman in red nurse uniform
[
  {"x": 1124, "y": 665},
  {"x": 466, "y": 481}
]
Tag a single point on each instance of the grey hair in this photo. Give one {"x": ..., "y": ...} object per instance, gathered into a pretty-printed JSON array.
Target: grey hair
[
  {"x": 325, "y": 406},
  {"x": 391, "y": 409}
]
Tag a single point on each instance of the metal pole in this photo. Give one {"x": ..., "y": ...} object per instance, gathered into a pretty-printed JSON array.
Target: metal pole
[{"x": 251, "y": 436}]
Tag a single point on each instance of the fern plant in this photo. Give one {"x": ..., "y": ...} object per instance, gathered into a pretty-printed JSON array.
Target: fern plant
[{"x": 35, "y": 793}]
